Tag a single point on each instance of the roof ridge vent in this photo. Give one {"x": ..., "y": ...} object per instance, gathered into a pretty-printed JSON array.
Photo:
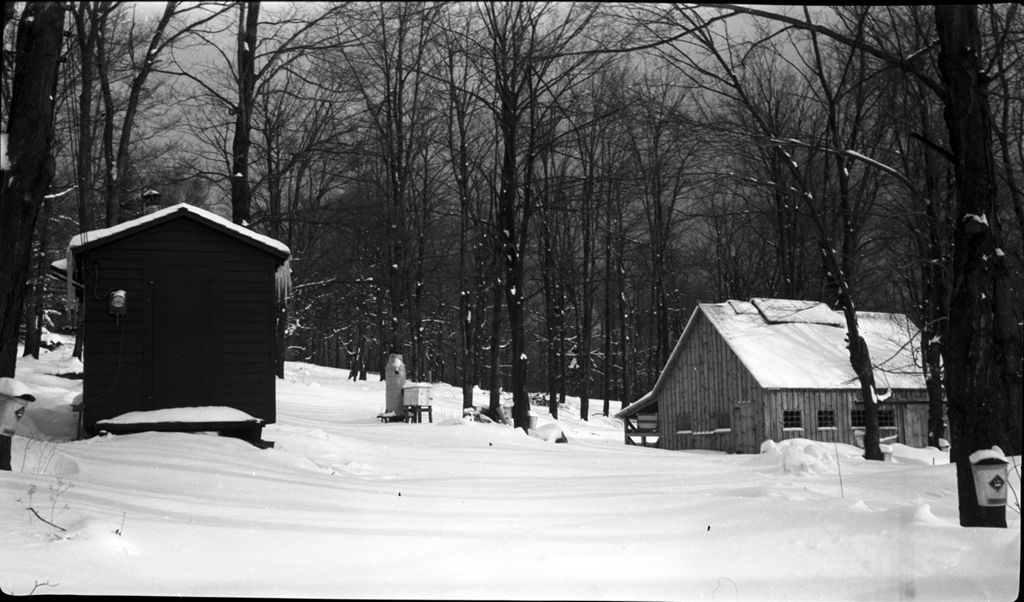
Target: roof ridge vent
[{"x": 796, "y": 311}]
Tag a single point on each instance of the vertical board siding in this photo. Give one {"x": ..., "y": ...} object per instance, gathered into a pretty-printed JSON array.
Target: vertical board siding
[
  {"x": 706, "y": 382},
  {"x": 119, "y": 362},
  {"x": 247, "y": 336},
  {"x": 915, "y": 421}
]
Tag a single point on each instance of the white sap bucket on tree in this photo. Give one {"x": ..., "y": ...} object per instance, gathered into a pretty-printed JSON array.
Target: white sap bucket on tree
[
  {"x": 394, "y": 380},
  {"x": 989, "y": 467}
]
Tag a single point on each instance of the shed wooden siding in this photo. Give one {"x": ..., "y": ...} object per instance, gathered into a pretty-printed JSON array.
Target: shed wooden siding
[
  {"x": 115, "y": 351},
  {"x": 239, "y": 277},
  {"x": 707, "y": 381},
  {"x": 247, "y": 338}
]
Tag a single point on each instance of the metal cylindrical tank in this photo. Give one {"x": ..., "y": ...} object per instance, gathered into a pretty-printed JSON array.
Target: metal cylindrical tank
[{"x": 394, "y": 380}]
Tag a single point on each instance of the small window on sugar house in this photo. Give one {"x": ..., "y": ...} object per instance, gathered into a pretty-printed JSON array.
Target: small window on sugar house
[
  {"x": 684, "y": 424},
  {"x": 827, "y": 420},
  {"x": 723, "y": 422},
  {"x": 792, "y": 420}
]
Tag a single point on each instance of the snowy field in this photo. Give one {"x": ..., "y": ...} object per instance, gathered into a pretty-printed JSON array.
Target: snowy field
[{"x": 344, "y": 506}]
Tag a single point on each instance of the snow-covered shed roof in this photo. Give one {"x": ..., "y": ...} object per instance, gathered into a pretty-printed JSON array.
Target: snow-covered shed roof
[
  {"x": 792, "y": 344},
  {"x": 95, "y": 238},
  {"x": 104, "y": 235}
]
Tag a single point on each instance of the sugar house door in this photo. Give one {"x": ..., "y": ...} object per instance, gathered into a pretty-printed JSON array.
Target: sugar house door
[{"x": 182, "y": 325}]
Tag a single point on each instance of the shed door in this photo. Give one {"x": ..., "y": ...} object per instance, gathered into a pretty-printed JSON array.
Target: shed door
[
  {"x": 744, "y": 428},
  {"x": 182, "y": 318}
]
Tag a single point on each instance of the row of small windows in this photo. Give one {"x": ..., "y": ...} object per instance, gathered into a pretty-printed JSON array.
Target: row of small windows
[{"x": 793, "y": 419}]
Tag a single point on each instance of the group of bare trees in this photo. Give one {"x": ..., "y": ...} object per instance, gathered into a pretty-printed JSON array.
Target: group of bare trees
[{"x": 533, "y": 196}]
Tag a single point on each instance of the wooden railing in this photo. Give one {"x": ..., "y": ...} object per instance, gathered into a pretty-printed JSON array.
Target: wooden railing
[{"x": 643, "y": 426}]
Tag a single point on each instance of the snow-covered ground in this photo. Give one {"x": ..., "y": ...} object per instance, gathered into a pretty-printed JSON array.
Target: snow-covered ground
[{"x": 344, "y": 506}]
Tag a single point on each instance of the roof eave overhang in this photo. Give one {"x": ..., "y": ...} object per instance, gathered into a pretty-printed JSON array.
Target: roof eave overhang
[
  {"x": 652, "y": 396},
  {"x": 279, "y": 254}
]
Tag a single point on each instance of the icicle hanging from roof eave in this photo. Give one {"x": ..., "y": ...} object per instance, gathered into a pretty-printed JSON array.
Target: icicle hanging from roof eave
[{"x": 283, "y": 280}]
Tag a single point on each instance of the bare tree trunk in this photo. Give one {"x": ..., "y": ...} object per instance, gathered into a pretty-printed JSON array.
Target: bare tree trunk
[
  {"x": 586, "y": 340},
  {"x": 494, "y": 372},
  {"x": 89, "y": 20},
  {"x": 34, "y": 320},
  {"x": 508, "y": 241},
  {"x": 112, "y": 206},
  {"x": 934, "y": 285},
  {"x": 983, "y": 374},
  {"x": 626, "y": 385},
  {"x": 465, "y": 318},
  {"x": 458, "y": 149},
  {"x": 551, "y": 305},
  {"x": 363, "y": 361},
  {"x": 248, "y": 22},
  {"x": 33, "y": 307},
  {"x": 30, "y": 127},
  {"x": 608, "y": 325},
  {"x": 934, "y": 326}
]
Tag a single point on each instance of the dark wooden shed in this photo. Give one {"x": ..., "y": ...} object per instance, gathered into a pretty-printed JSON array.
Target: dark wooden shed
[
  {"x": 744, "y": 372},
  {"x": 201, "y": 298}
]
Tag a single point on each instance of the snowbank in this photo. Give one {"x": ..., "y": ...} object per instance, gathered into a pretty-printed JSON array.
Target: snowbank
[
  {"x": 345, "y": 506},
  {"x": 802, "y": 456},
  {"x": 191, "y": 414}
]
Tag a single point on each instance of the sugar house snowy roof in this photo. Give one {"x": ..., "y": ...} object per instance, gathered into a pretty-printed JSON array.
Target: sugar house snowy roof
[{"x": 789, "y": 344}]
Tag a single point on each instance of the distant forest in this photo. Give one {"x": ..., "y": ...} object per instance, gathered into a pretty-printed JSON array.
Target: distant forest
[{"x": 535, "y": 196}]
